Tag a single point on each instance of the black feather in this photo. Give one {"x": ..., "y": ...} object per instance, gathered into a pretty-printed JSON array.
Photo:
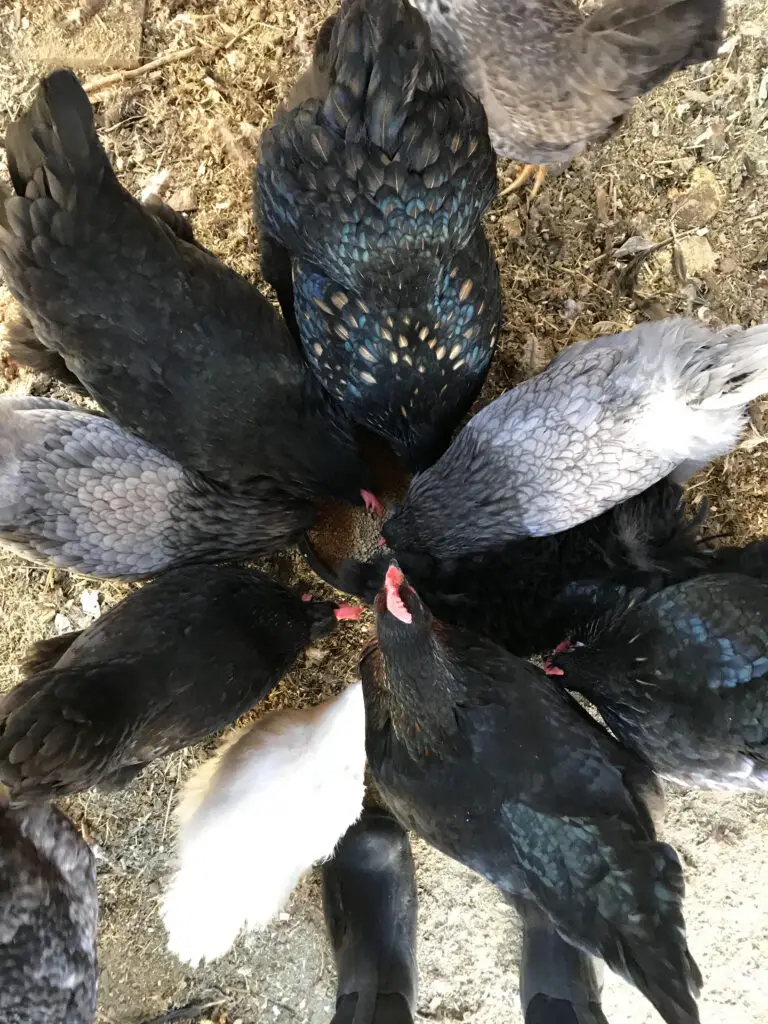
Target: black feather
[
  {"x": 374, "y": 184},
  {"x": 488, "y": 760},
  {"x": 173, "y": 345},
  {"x": 213, "y": 642}
]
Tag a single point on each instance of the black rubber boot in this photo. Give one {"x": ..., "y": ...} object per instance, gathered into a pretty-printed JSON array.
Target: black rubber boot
[
  {"x": 369, "y": 897},
  {"x": 559, "y": 984}
]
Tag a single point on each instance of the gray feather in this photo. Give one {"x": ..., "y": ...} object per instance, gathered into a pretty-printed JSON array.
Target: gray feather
[
  {"x": 48, "y": 919},
  {"x": 607, "y": 419},
  {"x": 78, "y": 492},
  {"x": 551, "y": 80}
]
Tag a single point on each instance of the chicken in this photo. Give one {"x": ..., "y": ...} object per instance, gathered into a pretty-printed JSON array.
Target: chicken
[
  {"x": 370, "y": 902},
  {"x": 374, "y": 190},
  {"x": 552, "y": 79},
  {"x": 174, "y": 346},
  {"x": 174, "y": 662},
  {"x": 558, "y": 983},
  {"x": 22, "y": 344},
  {"x": 681, "y": 677},
  {"x": 604, "y": 421},
  {"x": 48, "y": 919},
  {"x": 78, "y": 492},
  {"x": 276, "y": 798},
  {"x": 484, "y": 757},
  {"x": 529, "y": 594}
]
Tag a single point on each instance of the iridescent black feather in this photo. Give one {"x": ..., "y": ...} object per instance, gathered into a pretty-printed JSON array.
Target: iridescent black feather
[{"x": 376, "y": 185}]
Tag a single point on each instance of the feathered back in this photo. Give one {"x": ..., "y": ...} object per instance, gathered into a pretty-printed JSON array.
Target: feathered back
[
  {"x": 276, "y": 798},
  {"x": 174, "y": 346},
  {"x": 48, "y": 919},
  {"x": 79, "y": 492},
  {"x": 396, "y": 149},
  {"x": 605, "y": 420}
]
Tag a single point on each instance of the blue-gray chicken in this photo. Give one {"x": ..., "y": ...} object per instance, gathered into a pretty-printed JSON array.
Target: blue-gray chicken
[
  {"x": 681, "y": 677},
  {"x": 174, "y": 346},
  {"x": 48, "y": 919},
  {"x": 373, "y": 189},
  {"x": 553, "y": 78},
  {"x": 605, "y": 420},
  {"x": 80, "y": 493}
]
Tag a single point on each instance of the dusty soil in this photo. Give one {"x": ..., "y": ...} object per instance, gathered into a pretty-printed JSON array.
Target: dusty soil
[{"x": 688, "y": 175}]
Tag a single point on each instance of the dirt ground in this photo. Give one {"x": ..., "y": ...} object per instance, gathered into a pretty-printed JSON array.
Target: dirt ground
[{"x": 688, "y": 176}]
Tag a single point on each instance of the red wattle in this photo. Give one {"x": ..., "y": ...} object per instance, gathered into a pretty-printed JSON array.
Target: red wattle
[{"x": 347, "y": 611}]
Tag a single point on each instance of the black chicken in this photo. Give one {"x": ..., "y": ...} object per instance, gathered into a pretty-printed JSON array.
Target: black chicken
[
  {"x": 172, "y": 663},
  {"x": 370, "y": 901},
  {"x": 487, "y": 759},
  {"x": 48, "y": 919},
  {"x": 371, "y": 194},
  {"x": 175, "y": 346},
  {"x": 79, "y": 492},
  {"x": 528, "y": 595},
  {"x": 25, "y": 348},
  {"x": 681, "y": 677}
]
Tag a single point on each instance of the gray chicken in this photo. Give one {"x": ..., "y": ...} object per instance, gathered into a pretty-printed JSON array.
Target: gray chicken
[
  {"x": 551, "y": 79},
  {"x": 605, "y": 420},
  {"x": 79, "y": 492},
  {"x": 48, "y": 919}
]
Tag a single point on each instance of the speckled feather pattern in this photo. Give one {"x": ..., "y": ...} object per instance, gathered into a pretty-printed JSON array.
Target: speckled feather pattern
[
  {"x": 376, "y": 189},
  {"x": 78, "y": 492},
  {"x": 172, "y": 344},
  {"x": 553, "y": 80},
  {"x": 605, "y": 420},
  {"x": 682, "y": 678},
  {"x": 171, "y": 664},
  {"x": 482, "y": 756},
  {"x": 48, "y": 920},
  {"x": 409, "y": 373}
]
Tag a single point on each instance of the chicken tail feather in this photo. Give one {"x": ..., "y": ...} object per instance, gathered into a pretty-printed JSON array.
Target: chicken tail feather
[
  {"x": 275, "y": 800},
  {"x": 662, "y": 969},
  {"x": 658, "y": 37},
  {"x": 706, "y": 380}
]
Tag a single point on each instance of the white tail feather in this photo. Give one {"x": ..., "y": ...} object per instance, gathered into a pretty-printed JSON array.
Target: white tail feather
[
  {"x": 701, "y": 382},
  {"x": 271, "y": 803}
]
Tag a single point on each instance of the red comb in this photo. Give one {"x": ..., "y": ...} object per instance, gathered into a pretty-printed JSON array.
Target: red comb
[
  {"x": 306, "y": 597},
  {"x": 392, "y": 583},
  {"x": 347, "y": 611}
]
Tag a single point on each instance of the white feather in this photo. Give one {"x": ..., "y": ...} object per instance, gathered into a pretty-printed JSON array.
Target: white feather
[{"x": 271, "y": 803}]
